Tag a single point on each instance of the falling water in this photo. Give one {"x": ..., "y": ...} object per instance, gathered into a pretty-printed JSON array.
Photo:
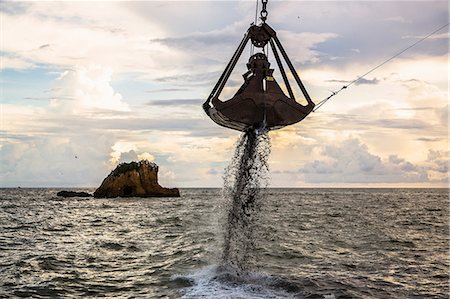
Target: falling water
[{"x": 245, "y": 178}]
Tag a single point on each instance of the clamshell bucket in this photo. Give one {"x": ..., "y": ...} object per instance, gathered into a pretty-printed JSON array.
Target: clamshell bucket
[{"x": 259, "y": 103}]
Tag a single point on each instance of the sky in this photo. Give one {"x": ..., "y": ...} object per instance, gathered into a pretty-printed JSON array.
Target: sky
[{"x": 88, "y": 85}]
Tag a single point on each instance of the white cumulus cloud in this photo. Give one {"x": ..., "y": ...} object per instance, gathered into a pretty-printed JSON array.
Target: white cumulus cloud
[
  {"x": 352, "y": 162},
  {"x": 85, "y": 89}
]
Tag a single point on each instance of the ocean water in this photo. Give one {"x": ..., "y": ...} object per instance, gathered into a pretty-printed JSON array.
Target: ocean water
[{"x": 310, "y": 243}]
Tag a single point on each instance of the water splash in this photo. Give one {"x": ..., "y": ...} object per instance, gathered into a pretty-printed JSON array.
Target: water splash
[{"x": 245, "y": 179}]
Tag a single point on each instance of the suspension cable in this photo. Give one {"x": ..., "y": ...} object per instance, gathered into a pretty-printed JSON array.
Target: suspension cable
[
  {"x": 252, "y": 47},
  {"x": 321, "y": 103},
  {"x": 256, "y": 12}
]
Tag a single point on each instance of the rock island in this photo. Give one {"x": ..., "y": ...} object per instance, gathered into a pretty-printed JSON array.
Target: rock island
[{"x": 135, "y": 179}]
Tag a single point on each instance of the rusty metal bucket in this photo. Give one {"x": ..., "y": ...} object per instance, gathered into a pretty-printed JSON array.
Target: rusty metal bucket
[{"x": 259, "y": 103}]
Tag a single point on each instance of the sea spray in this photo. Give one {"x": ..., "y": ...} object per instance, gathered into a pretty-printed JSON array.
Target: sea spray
[{"x": 245, "y": 179}]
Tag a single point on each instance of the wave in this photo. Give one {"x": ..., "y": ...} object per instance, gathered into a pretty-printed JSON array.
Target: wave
[{"x": 222, "y": 282}]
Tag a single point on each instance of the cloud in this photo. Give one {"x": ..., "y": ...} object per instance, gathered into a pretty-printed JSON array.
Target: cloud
[
  {"x": 104, "y": 34},
  {"x": 44, "y": 46},
  {"x": 214, "y": 171},
  {"x": 442, "y": 113},
  {"x": 364, "y": 30},
  {"x": 204, "y": 40},
  {"x": 396, "y": 19},
  {"x": 177, "y": 102},
  {"x": 444, "y": 35},
  {"x": 361, "y": 81},
  {"x": 439, "y": 161},
  {"x": 55, "y": 161},
  {"x": 166, "y": 90},
  {"x": 146, "y": 156},
  {"x": 308, "y": 50},
  {"x": 190, "y": 78},
  {"x": 425, "y": 139},
  {"x": 127, "y": 157},
  {"x": 351, "y": 162},
  {"x": 120, "y": 154},
  {"x": 367, "y": 81},
  {"x": 89, "y": 88},
  {"x": 13, "y": 8},
  {"x": 8, "y": 62},
  {"x": 132, "y": 76},
  {"x": 54, "y": 145},
  {"x": 59, "y": 140},
  {"x": 400, "y": 124}
]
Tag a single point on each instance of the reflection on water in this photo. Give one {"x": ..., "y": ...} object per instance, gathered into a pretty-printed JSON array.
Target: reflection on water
[{"x": 312, "y": 243}]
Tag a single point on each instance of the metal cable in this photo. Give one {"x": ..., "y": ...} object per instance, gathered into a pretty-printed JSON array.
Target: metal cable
[{"x": 321, "y": 103}]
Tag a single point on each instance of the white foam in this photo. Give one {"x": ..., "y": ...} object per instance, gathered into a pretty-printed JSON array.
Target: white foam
[{"x": 210, "y": 282}]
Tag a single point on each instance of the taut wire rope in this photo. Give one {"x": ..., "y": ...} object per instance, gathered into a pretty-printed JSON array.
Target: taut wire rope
[{"x": 321, "y": 103}]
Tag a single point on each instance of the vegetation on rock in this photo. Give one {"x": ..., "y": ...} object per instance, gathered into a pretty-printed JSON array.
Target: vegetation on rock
[{"x": 125, "y": 167}]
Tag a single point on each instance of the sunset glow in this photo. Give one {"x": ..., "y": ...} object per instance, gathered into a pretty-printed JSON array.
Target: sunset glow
[{"x": 87, "y": 85}]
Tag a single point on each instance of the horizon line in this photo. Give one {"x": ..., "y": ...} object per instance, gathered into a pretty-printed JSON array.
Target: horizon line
[{"x": 306, "y": 187}]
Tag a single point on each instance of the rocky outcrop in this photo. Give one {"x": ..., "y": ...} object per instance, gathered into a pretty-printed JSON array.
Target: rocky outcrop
[
  {"x": 73, "y": 194},
  {"x": 135, "y": 179}
]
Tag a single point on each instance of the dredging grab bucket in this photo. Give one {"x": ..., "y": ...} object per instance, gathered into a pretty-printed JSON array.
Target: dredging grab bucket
[{"x": 259, "y": 103}]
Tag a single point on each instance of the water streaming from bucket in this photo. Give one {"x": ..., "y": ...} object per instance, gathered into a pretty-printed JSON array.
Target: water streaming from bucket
[{"x": 244, "y": 182}]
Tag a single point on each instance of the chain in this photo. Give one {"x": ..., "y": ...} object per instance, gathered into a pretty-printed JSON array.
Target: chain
[{"x": 264, "y": 12}]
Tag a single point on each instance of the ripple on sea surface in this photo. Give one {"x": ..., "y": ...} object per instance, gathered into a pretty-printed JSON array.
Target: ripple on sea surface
[{"x": 324, "y": 243}]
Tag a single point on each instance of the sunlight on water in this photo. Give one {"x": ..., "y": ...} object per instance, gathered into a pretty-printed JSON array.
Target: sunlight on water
[{"x": 310, "y": 243}]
